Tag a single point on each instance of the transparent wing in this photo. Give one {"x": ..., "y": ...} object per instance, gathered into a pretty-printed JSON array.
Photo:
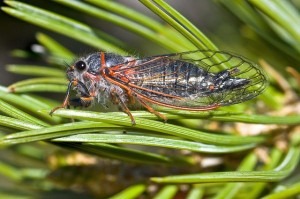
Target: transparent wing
[{"x": 195, "y": 79}]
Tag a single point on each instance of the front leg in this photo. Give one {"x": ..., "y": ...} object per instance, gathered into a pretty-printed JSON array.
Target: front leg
[
  {"x": 81, "y": 102},
  {"x": 84, "y": 100}
]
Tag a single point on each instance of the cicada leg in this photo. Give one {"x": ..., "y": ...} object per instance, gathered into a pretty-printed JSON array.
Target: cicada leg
[
  {"x": 126, "y": 110},
  {"x": 81, "y": 102},
  {"x": 131, "y": 99},
  {"x": 151, "y": 110},
  {"x": 117, "y": 99},
  {"x": 85, "y": 99},
  {"x": 66, "y": 100}
]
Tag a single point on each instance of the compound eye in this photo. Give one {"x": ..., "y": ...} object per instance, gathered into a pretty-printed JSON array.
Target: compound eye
[{"x": 80, "y": 65}]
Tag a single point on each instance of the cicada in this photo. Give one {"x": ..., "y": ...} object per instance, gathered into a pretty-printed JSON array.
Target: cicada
[{"x": 195, "y": 81}]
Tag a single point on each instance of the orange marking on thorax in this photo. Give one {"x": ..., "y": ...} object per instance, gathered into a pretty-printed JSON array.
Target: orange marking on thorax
[{"x": 103, "y": 61}]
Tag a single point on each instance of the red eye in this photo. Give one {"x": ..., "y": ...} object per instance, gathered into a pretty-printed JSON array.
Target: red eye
[{"x": 80, "y": 65}]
